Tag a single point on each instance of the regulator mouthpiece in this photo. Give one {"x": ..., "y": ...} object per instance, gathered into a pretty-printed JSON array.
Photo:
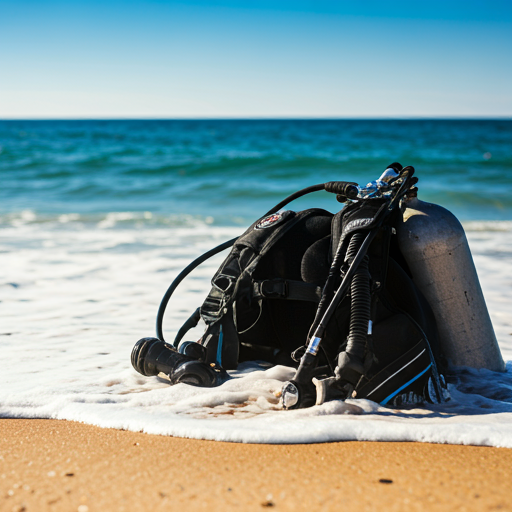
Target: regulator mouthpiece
[{"x": 151, "y": 356}]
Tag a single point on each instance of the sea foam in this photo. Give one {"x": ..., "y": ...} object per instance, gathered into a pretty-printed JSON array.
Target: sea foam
[{"x": 77, "y": 294}]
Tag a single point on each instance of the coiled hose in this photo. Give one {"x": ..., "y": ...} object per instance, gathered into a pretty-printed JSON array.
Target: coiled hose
[{"x": 360, "y": 300}]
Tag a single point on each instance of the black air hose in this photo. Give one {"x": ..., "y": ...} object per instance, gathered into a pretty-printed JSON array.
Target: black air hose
[
  {"x": 360, "y": 300},
  {"x": 329, "y": 289},
  {"x": 186, "y": 271}
]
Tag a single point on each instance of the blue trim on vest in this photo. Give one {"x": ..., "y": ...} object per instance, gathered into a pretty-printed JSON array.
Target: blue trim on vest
[
  {"x": 386, "y": 400},
  {"x": 219, "y": 347}
]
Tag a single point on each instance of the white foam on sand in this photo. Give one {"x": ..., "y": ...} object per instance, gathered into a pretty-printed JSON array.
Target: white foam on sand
[{"x": 76, "y": 296}]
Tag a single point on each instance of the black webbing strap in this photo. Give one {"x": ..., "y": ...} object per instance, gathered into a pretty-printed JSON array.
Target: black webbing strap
[{"x": 286, "y": 289}]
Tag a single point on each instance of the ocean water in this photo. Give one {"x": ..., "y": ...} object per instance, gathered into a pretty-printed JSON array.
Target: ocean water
[
  {"x": 98, "y": 217},
  {"x": 233, "y": 171}
]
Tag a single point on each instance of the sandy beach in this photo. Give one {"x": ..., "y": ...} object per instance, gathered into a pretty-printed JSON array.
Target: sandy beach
[{"x": 68, "y": 466}]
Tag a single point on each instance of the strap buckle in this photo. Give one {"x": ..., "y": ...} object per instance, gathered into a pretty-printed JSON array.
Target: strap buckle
[{"x": 274, "y": 288}]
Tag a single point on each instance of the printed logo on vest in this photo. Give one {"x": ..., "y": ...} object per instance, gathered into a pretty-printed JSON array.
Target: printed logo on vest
[
  {"x": 269, "y": 221},
  {"x": 357, "y": 224}
]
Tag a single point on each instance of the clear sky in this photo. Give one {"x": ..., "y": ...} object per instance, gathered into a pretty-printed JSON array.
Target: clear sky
[{"x": 248, "y": 58}]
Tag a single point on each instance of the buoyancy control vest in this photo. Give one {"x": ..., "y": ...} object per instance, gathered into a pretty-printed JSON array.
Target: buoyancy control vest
[
  {"x": 260, "y": 306},
  {"x": 338, "y": 281}
]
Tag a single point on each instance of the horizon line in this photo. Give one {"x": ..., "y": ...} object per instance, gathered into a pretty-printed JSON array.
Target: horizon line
[{"x": 364, "y": 118}]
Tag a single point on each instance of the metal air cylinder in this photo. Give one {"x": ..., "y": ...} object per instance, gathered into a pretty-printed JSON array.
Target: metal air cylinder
[{"x": 435, "y": 247}]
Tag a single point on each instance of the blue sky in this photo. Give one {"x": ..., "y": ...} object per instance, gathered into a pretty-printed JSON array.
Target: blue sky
[{"x": 161, "y": 59}]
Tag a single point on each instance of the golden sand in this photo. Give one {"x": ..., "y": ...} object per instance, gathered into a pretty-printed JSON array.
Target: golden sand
[{"x": 50, "y": 465}]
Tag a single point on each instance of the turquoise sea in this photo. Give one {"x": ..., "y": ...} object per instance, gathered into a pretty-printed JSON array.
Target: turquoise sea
[{"x": 232, "y": 171}]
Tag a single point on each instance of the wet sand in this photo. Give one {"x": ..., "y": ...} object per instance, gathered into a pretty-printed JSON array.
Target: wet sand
[{"x": 51, "y": 465}]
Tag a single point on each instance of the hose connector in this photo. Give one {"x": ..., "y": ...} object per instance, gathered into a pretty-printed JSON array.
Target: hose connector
[{"x": 346, "y": 189}]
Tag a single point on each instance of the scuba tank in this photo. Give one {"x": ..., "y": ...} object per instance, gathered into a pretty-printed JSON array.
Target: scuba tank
[{"x": 436, "y": 250}]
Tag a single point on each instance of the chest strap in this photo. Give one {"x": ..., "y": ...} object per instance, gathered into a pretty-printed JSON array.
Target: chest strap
[{"x": 286, "y": 289}]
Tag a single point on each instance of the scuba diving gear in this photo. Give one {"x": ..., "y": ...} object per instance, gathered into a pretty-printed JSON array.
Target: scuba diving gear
[
  {"x": 339, "y": 281},
  {"x": 436, "y": 250}
]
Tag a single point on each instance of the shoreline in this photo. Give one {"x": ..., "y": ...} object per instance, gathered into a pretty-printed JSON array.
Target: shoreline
[{"x": 61, "y": 465}]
